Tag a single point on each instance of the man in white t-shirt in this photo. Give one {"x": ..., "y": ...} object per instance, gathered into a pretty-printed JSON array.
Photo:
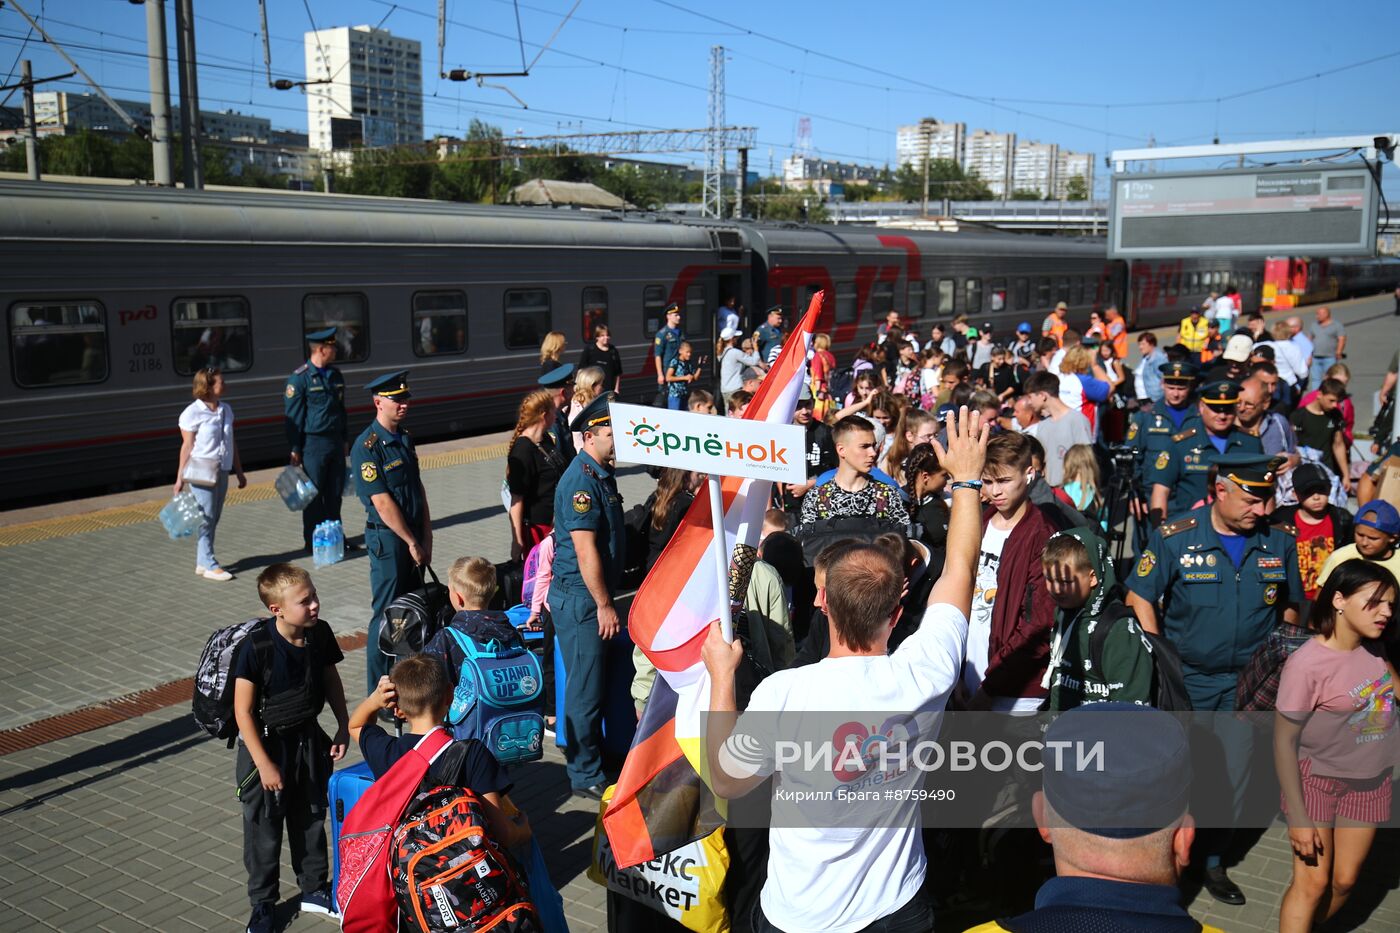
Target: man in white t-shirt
[
  {"x": 1223, "y": 310},
  {"x": 850, "y": 865}
]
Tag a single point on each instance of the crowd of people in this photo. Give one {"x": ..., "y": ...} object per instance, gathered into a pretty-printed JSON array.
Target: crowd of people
[{"x": 951, "y": 548}]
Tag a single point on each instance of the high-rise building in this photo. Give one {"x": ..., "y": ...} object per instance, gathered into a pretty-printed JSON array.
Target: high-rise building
[
  {"x": 1034, "y": 167},
  {"x": 929, "y": 139},
  {"x": 1070, "y": 165},
  {"x": 375, "y": 92},
  {"x": 60, "y": 112},
  {"x": 991, "y": 156}
]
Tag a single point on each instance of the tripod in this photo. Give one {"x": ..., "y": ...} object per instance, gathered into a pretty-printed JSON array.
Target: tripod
[{"x": 1124, "y": 489}]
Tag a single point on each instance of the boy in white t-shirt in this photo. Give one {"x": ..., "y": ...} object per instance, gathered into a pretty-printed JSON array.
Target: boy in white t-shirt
[{"x": 835, "y": 871}]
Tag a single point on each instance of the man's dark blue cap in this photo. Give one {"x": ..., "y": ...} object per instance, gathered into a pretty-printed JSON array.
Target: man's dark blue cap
[
  {"x": 1257, "y": 473},
  {"x": 673, "y": 306},
  {"x": 1220, "y": 392},
  {"x": 391, "y": 385},
  {"x": 1177, "y": 371},
  {"x": 776, "y": 309},
  {"x": 595, "y": 415},
  {"x": 325, "y": 335},
  {"x": 557, "y": 376},
  {"x": 1139, "y": 784}
]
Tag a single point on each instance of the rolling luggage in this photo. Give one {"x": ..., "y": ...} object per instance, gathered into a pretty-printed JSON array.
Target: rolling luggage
[
  {"x": 346, "y": 788},
  {"x": 619, "y": 712}
]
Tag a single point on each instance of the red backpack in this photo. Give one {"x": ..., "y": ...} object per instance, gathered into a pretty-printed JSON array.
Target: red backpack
[{"x": 365, "y": 892}]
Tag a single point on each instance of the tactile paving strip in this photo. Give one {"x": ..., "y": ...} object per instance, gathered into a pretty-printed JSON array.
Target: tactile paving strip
[
  {"x": 120, "y": 709},
  {"x": 148, "y": 511}
]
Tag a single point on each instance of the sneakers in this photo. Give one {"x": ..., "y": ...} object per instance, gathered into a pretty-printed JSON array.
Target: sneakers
[
  {"x": 200, "y": 571},
  {"x": 262, "y": 919},
  {"x": 217, "y": 573},
  {"x": 318, "y": 902}
]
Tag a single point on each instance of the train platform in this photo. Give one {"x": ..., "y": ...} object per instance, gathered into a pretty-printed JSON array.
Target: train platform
[{"x": 118, "y": 815}]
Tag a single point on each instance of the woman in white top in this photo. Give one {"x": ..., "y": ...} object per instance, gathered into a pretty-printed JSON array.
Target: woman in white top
[{"x": 207, "y": 456}]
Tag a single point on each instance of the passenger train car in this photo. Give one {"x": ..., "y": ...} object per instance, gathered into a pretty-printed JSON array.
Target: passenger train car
[{"x": 114, "y": 296}]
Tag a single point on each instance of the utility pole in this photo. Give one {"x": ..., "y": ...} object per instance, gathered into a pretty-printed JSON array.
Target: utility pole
[
  {"x": 189, "y": 93},
  {"x": 712, "y": 199},
  {"x": 743, "y": 183},
  {"x": 31, "y": 123},
  {"x": 160, "y": 93}
]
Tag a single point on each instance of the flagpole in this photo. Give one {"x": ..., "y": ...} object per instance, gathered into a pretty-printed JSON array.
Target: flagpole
[{"x": 721, "y": 557}]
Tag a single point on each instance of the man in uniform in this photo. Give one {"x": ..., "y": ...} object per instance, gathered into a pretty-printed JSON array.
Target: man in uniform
[
  {"x": 1225, "y": 579},
  {"x": 667, "y": 347},
  {"x": 398, "y": 530},
  {"x": 1150, "y": 431},
  {"x": 770, "y": 333},
  {"x": 314, "y": 404},
  {"x": 587, "y": 563},
  {"x": 559, "y": 380},
  {"x": 1177, "y": 474}
]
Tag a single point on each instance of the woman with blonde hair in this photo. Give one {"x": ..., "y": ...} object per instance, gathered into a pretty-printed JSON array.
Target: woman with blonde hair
[
  {"x": 207, "y": 455},
  {"x": 551, "y": 351},
  {"x": 533, "y": 468},
  {"x": 1083, "y": 383},
  {"x": 915, "y": 427},
  {"x": 1082, "y": 481},
  {"x": 588, "y": 383},
  {"x": 822, "y": 366}
]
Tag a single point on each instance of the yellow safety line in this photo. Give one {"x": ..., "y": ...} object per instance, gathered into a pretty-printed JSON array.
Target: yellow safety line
[{"x": 117, "y": 517}]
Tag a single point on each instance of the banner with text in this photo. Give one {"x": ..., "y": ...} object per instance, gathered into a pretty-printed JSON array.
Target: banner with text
[{"x": 709, "y": 443}]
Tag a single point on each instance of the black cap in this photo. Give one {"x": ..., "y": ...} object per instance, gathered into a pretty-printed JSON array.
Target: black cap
[
  {"x": 1140, "y": 784},
  {"x": 1178, "y": 371},
  {"x": 673, "y": 306},
  {"x": 1309, "y": 478},
  {"x": 595, "y": 415},
  {"x": 1255, "y": 473},
  {"x": 391, "y": 385},
  {"x": 1220, "y": 392}
]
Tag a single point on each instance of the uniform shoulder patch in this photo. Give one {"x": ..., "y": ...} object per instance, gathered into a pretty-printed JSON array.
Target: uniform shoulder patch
[
  {"x": 300, "y": 369},
  {"x": 1189, "y": 432},
  {"x": 291, "y": 390},
  {"x": 369, "y": 441},
  {"x": 368, "y": 471},
  {"x": 582, "y": 502},
  {"x": 1286, "y": 528},
  {"x": 1133, "y": 431},
  {"x": 1178, "y": 526},
  {"x": 1146, "y": 562},
  {"x": 1163, "y": 459}
]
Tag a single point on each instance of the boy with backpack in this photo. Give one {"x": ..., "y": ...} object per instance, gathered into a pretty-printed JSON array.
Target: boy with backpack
[
  {"x": 284, "y": 673},
  {"x": 419, "y": 692},
  {"x": 498, "y": 685},
  {"x": 1097, "y": 650}
]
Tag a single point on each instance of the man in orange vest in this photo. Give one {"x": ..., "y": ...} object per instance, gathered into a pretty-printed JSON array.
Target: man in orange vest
[
  {"x": 1212, "y": 346},
  {"x": 1193, "y": 333},
  {"x": 1117, "y": 331},
  {"x": 1055, "y": 324}
]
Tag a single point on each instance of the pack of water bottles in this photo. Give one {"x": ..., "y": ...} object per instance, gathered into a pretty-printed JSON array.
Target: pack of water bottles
[
  {"x": 328, "y": 543},
  {"x": 295, "y": 487},
  {"x": 182, "y": 516}
]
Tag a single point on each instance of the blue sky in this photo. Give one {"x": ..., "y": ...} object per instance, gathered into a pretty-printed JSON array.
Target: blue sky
[{"x": 1089, "y": 76}]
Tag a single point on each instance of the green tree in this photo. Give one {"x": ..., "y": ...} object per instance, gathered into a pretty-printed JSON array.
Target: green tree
[
  {"x": 801, "y": 206},
  {"x": 397, "y": 173},
  {"x": 946, "y": 179},
  {"x": 1026, "y": 194},
  {"x": 1077, "y": 189}
]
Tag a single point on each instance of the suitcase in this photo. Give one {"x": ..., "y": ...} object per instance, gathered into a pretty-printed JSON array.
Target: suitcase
[
  {"x": 345, "y": 789},
  {"x": 619, "y": 712},
  {"x": 510, "y": 584}
]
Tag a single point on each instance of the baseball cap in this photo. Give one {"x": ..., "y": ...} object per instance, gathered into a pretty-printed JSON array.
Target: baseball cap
[
  {"x": 973, "y": 332},
  {"x": 1061, "y": 306},
  {"x": 1144, "y": 781},
  {"x": 1024, "y": 327},
  {"x": 1309, "y": 478},
  {"x": 1380, "y": 515},
  {"x": 728, "y": 333},
  {"x": 1238, "y": 347}
]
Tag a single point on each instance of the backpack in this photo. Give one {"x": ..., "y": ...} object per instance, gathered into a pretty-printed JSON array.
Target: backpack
[
  {"x": 213, "y": 684},
  {"x": 448, "y": 874},
  {"x": 1257, "y": 689},
  {"x": 839, "y": 383},
  {"x": 528, "y": 574},
  {"x": 411, "y": 620},
  {"x": 1168, "y": 681},
  {"x": 364, "y": 892},
  {"x": 499, "y": 693}
]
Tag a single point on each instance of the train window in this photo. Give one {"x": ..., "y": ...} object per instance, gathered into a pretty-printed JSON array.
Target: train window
[
  {"x": 1042, "y": 293},
  {"x": 1023, "y": 294},
  {"x": 1062, "y": 290},
  {"x": 881, "y": 300},
  {"x": 696, "y": 320},
  {"x": 918, "y": 298},
  {"x": 847, "y": 308},
  {"x": 972, "y": 296},
  {"x": 211, "y": 332},
  {"x": 595, "y": 311},
  {"x": 998, "y": 296},
  {"x": 653, "y": 309},
  {"x": 1076, "y": 291},
  {"x": 347, "y": 311},
  {"x": 809, "y": 291},
  {"x": 60, "y": 344},
  {"x": 439, "y": 323},
  {"x": 1194, "y": 283},
  {"x": 947, "y": 289},
  {"x": 527, "y": 318}
]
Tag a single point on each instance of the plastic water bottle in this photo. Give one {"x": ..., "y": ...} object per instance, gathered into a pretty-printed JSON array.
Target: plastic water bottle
[
  {"x": 337, "y": 541},
  {"x": 182, "y": 516},
  {"x": 321, "y": 545},
  {"x": 295, "y": 488}
]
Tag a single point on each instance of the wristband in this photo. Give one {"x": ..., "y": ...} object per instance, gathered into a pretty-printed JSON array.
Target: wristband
[{"x": 974, "y": 484}]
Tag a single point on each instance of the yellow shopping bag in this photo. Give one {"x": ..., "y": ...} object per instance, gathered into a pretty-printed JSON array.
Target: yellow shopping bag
[{"x": 686, "y": 884}]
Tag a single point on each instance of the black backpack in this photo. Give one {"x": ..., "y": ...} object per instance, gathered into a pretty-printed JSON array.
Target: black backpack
[
  {"x": 213, "y": 681},
  {"x": 1168, "y": 680},
  {"x": 411, "y": 620},
  {"x": 839, "y": 384}
]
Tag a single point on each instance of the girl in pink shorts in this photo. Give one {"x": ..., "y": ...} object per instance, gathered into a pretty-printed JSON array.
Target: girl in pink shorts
[{"x": 1335, "y": 740}]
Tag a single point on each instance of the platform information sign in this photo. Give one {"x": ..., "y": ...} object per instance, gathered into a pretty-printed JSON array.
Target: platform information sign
[{"x": 1307, "y": 210}]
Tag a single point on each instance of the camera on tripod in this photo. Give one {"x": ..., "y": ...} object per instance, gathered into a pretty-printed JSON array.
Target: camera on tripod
[{"x": 1124, "y": 456}]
